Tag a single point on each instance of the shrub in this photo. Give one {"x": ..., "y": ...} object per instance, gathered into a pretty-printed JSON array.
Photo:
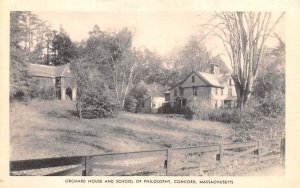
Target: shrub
[
  {"x": 137, "y": 94},
  {"x": 272, "y": 107},
  {"x": 188, "y": 113},
  {"x": 166, "y": 108},
  {"x": 255, "y": 125},
  {"x": 199, "y": 108},
  {"x": 225, "y": 115},
  {"x": 131, "y": 104},
  {"x": 97, "y": 101}
]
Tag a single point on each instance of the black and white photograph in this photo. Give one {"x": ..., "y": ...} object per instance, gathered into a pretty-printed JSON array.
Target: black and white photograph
[
  {"x": 164, "y": 93},
  {"x": 178, "y": 93}
]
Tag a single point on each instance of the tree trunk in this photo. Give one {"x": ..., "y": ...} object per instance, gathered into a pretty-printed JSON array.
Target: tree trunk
[
  {"x": 243, "y": 95},
  {"x": 128, "y": 83},
  {"x": 248, "y": 89},
  {"x": 79, "y": 109},
  {"x": 240, "y": 97}
]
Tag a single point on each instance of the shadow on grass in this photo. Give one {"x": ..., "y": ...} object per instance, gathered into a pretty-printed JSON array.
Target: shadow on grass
[
  {"x": 69, "y": 115},
  {"x": 96, "y": 146},
  {"x": 72, "y": 132}
]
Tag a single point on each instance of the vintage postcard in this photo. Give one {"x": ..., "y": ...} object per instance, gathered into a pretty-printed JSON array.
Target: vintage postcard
[{"x": 149, "y": 93}]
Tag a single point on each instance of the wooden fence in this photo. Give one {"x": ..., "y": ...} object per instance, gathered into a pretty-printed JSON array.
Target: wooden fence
[{"x": 169, "y": 161}]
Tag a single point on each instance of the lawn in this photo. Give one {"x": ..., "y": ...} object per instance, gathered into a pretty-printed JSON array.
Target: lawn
[{"x": 51, "y": 129}]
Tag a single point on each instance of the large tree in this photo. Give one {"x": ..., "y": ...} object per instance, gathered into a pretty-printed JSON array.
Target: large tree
[
  {"x": 244, "y": 35},
  {"x": 20, "y": 81},
  {"x": 193, "y": 56},
  {"x": 115, "y": 58},
  {"x": 94, "y": 99},
  {"x": 63, "y": 50}
]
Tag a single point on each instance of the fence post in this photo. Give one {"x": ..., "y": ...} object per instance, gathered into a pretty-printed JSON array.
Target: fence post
[
  {"x": 200, "y": 164},
  {"x": 88, "y": 171},
  {"x": 282, "y": 150},
  {"x": 219, "y": 157},
  {"x": 168, "y": 162},
  {"x": 258, "y": 150},
  {"x": 221, "y": 153}
]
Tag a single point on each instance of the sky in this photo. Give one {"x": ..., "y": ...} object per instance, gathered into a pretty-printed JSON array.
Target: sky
[{"x": 159, "y": 31}]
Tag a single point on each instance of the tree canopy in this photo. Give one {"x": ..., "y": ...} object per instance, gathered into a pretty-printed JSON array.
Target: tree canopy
[{"x": 244, "y": 36}]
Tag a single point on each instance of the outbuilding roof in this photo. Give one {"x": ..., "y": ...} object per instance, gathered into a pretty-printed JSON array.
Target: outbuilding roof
[{"x": 49, "y": 71}]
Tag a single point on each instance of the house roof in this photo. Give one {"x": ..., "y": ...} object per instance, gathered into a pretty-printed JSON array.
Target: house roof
[
  {"x": 223, "y": 79},
  {"x": 49, "y": 71},
  {"x": 210, "y": 79}
]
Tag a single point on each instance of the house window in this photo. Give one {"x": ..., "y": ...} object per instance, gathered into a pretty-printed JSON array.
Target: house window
[
  {"x": 216, "y": 91},
  {"x": 175, "y": 92},
  {"x": 167, "y": 96},
  {"x": 216, "y": 103},
  {"x": 222, "y": 91},
  {"x": 193, "y": 79},
  {"x": 230, "y": 92},
  {"x": 181, "y": 91},
  {"x": 230, "y": 82},
  {"x": 195, "y": 91}
]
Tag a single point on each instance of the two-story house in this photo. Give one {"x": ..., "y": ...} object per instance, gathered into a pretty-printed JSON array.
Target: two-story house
[{"x": 216, "y": 89}]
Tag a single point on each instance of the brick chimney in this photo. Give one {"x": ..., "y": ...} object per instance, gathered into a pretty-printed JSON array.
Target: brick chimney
[{"x": 214, "y": 69}]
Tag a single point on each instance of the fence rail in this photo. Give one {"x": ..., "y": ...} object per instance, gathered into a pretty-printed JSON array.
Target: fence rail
[{"x": 161, "y": 160}]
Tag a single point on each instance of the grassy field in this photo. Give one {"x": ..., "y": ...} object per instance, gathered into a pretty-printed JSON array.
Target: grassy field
[{"x": 52, "y": 129}]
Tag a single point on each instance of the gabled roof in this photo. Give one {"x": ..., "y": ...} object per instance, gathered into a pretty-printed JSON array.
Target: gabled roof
[
  {"x": 210, "y": 79},
  {"x": 223, "y": 79},
  {"x": 49, "y": 71}
]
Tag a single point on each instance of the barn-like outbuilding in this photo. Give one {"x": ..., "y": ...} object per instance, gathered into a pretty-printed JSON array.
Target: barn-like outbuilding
[{"x": 60, "y": 78}]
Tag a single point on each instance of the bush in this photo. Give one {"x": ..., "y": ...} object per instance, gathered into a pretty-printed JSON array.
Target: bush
[
  {"x": 225, "y": 115},
  {"x": 166, "y": 108},
  {"x": 255, "y": 125},
  {"x": 137, "y": 94},
  {"x": 131, "y": 104},
  {"x": 199, "y": 108},
  {"x": 188, "y": 113},
  {"x": 97, "y": 101},
  {"x": 272, "y": 108}
]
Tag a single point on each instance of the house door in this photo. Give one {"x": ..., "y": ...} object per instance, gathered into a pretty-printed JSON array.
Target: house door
[
  {"x": 68, "y": 93},
  {"x": 181, "y": 103}
]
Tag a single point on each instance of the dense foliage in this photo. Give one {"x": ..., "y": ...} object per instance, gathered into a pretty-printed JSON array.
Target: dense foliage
[
  {"x": 95, "y": 98},
  {"x": 97, "y": 102},
  {"x": 20, "y": 82},
  {"x": 62, "y": 48}
]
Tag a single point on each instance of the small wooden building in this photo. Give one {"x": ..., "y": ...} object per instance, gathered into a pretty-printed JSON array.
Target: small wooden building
[
  {"x": 60, "y": 78},
  {"x": 151, "y": 105}
]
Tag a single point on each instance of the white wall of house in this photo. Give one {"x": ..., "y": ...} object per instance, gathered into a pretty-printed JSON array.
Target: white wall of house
[
  {"x": 215, "y": 96},
  {"x": 151, "y": 105},
  {"x": 156, "y": 103}
]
